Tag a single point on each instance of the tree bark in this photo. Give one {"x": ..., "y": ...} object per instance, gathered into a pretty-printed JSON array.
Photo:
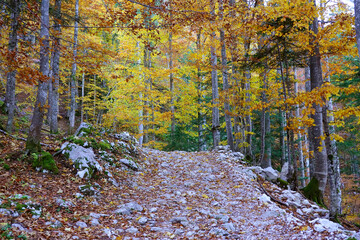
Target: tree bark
[
  {"x": 320, "y": 164},
  {"x": 201, "y": 115},
  {"x": 214, "y": 83},
  {"x": 357, "y": 23},
  {"x": 10, "y": 97},
  {"x": 34, "y": 137},
  {"x": 82, "y": 96},
  {"x": 333, "y": 160},
  {"x": 300, "y": 145},
  {"x": 310, "y": 137},
  {"x": 73, "y": 87},
  {"x": 54, "y": 73},
  {"x": 225, "y": 75},
  {"x": 172, "y": 107}
]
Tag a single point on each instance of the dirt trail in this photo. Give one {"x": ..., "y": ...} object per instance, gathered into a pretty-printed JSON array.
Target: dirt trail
[
  {"x": 176, "y": 195},
  {"x": 204, "y": 195}
]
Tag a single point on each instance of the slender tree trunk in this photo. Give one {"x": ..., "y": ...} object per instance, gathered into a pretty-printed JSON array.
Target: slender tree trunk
[
  {"x": 214, "y": 83},
  {"x": 141, "y": 115},
  {"x": 172, "y": 107},
  {"x": 201, "y": 115},
  {"x": 300, "y": 145},
  {"x": 82, "y": 96},
  {"x": 54, "y": 73},
  {"x": 310, "y": 137},
  {"x": 95, "y": 96},
  {"x": 34, "y": 137},
  {"x": 225, "y": 75},
  {"x": 10, "y": 97},
  {"x": 73, "y": 87},
  {"x": 333, "y": 160},
  {"x": 265, "y": 156},
  {"x": 320, "y": 164}
]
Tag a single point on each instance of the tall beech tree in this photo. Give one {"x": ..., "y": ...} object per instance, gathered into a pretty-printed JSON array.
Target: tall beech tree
[
  {"x": 34, "y": 137},
  {"x": 55, "y": 71},
  {"x": 10, "y": 97}
]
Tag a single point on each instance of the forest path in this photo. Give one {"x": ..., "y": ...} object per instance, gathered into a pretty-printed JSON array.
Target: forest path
[{"x": 206, "y": 195}]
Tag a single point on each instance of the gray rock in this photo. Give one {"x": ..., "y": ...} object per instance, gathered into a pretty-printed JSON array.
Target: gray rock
[
  {"x": 222, "y": 218},
  {"x": 82, "y": 129},
  {"x": 132, "y": 230},
  {"x": 152, "y": 210},
  {"x": 19, "y": 227},
  {"x": 81, "y": 224},
  {"x": 271, "y": 174},
  {"x": 133, "y": 206},
  {"x": 123, "y": 211},
  {"x": 84, "y": 159},
  {"x": 157, "y": 229},
  {"x": 56, "y": 224},
  {"x": 88, "y": 190},
  {"x": 190, "y": 233},
  {"x": 95, "y": 215},
  {"x": 229, "y": 227},
  {"x": 178, "y": 232},
  {"x": 130, "y": 164},
  {"x": 64, "y": 204},
  {"x": 142, "y": 220},
  {"x": 218, "y": 231},
  {"x": 94, "y": 222},
  {"x": 182, "y": 220}
]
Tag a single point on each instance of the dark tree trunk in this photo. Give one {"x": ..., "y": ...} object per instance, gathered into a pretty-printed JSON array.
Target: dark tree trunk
[
  {"x": 54, "y": 73},
  {"x": 320, "y": 164},
  {"x": 34, "y": 137},
  {"x": 10, "y": 97}
]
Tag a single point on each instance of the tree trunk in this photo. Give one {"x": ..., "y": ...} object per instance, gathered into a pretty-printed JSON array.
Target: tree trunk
[
  {"x": 73, "y": 87},
  {"x": 357, "y": 23},
  {"x": 201, "y": 115},
  {"x": 333, "y": 160},
  {"x": 300, "y": 145},
  {"x": 141, "y": 115},
  {"x": 214, "y": 83},
  {"x": 320, "y": 164},
  {"x": 225, "y": 75},
  {"x": 310, "y": 137},
  {"x": 172, "y": 107},
  {"x": 54, "y": 73},
  {"x": 10, "y": 97},
  {"x": 34, "y": 137},
  {"x": 82, "y": 96},
  {"x": 265, "y": 156}
]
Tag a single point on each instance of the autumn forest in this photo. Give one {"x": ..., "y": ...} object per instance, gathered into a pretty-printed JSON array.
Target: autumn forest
[{"x": 277, "y": 81}]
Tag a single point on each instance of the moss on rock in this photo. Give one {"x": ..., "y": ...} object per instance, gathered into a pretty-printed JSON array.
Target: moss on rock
[
  {"x": 282, "y": 183},
  {"x": 44, "y": 160},
  {"x": 312, "y": 192}
]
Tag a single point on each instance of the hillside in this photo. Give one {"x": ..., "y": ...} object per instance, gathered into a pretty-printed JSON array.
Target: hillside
[{"x": 172, "y": 195}]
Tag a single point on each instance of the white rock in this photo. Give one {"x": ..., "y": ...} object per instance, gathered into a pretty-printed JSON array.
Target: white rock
[
  {"x": 229, "y": 227},
  {"x": 95, "y": 222},
  {"x": 81, "y": 224},
  {"x": 129, "y": 163},
  {"x": 326, "y": 225},
  {"x": 142, "y": 220},
  {"x": 264, "y": 198},
  {"x": 271, "y": 174}
]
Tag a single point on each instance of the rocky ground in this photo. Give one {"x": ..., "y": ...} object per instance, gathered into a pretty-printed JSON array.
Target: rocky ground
[{"x": 175, "y": 195}]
